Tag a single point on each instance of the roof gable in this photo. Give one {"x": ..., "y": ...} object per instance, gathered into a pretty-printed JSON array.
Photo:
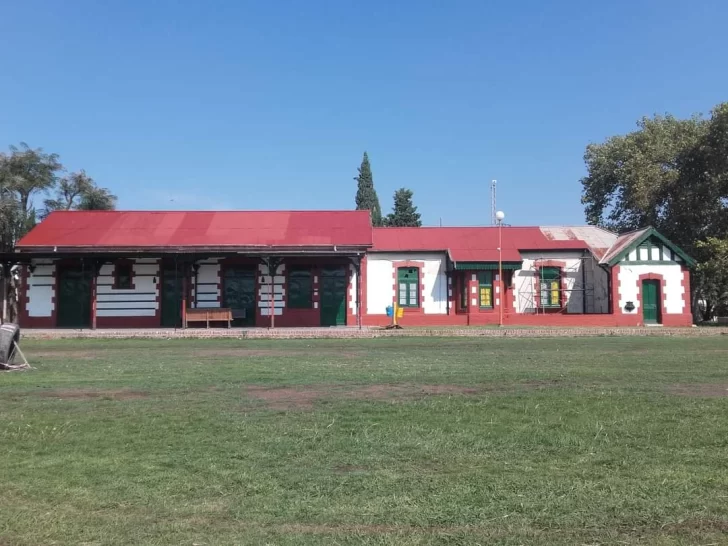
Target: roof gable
[{"x": 628, "y": 242}]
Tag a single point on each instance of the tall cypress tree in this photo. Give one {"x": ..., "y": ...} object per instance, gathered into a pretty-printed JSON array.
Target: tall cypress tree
[
  {"x": 404, "y": 213},
  {"x": 366, "y": 195}
]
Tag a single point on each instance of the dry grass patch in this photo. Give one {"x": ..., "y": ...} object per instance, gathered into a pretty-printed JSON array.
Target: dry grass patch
[
  {"x": 709, "y": 390},
  {"x": 92, "y": 394}
]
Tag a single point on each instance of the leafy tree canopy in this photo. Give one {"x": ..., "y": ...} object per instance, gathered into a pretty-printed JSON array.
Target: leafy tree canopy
[
  {"x": 404, "y": 213},
  {"x": 78, "y": 191},
  {"x": 671, "y": 174},
  {"x": 27, "y": 173}
]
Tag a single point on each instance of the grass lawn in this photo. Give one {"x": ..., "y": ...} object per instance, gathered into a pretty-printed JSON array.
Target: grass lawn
[{"x": 383, "y": 441}]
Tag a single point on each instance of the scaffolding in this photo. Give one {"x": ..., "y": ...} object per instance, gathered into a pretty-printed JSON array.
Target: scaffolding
[{"x": 583, "y": 287}]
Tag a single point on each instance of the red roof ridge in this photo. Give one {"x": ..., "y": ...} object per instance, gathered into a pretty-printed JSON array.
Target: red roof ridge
[
  {"x": 454, "y": 227},
  {"x": 236, "y": 211}
]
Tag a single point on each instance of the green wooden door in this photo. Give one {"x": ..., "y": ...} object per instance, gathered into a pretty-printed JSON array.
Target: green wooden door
[
  {"x": 239, "y": 294},
  {"x": 651, "y": 302},
  {"x": 333, "y": 296},
  {"x": 171, "y": 303},
  {"x": 74, "y": 297}
]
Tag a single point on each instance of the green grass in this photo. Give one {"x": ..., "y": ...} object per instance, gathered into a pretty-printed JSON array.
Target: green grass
[{"x": 532, "y": 441}]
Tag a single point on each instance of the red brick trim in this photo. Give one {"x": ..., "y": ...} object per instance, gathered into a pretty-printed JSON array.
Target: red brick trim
[
  {"x": 687, "y": 295},
  {"x": 462, "y": 284},
  {"x": 616, "y": 308},
  {"x": 538, "y": 265},
  {"x": 499, "y": 294},
  {"x": 472, "y": 293},
  {"x": 260, "y": 319},
  {"x": 420, "y": 266},
  {"x": 283, "y": 268},
  {"x": 450, "y": 293},
  {"x": 686, "y": 317},
  {"x": 351, "y": 295},
  {"x": 127, "y": 322},
  {"x": 24, "y": 317},
  {"x": 663, "y": 294},
  {"x": 508, "y": 300},
  {"x": 363, "y": 287},
  {"x": 116, "y": 264},
  {"x": 218, "y": 298}
]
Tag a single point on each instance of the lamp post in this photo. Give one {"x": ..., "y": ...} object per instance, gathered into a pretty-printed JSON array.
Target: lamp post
[{"x": 499, "y": 216}]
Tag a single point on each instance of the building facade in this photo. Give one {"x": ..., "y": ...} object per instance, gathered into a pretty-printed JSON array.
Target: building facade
[{"x": 331, "y": 268}]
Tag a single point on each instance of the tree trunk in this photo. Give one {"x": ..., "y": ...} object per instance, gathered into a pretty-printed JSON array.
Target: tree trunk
[
  {"x": 12, "y": 299},
  {"x": 4, "y": 297},
  {"x": 695, "y": 307}
]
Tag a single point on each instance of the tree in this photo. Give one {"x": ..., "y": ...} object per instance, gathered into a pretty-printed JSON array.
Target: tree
[
  {"x": 78, "y": 191},
  {"x": 25, "y": 172},
  {"x": 671, "y": 174},
  {"x": 366, "y": 195},
  {"x": 404, "y": 213},
  {"x": 714, "y": 276},
  {"x": 9, "y": 218},
  {"x": 28, "y": 171}
]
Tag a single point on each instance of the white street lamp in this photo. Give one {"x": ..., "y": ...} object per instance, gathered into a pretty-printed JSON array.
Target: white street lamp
[{"x": 500, "y": 216}]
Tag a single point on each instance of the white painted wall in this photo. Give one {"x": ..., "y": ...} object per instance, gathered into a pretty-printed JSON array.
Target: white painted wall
[
  {"x": 41, "y": 288},
  {"x": 140, "y": 301},
  {"x": 674, "y": 290},
  {"x": 580, "y": 274},
  {"x": 352, "y": 288},
  {"x": 381, "y": 275},
  {"x": 207, "y": 293},
  {"x": 644, "y": 254}
]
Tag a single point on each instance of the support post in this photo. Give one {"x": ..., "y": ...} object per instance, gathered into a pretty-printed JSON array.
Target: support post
[
  {"x": 356, "y": 262},
  {"x": 184, "y": 296},
  {"x": 196, "y": 270},
  {"x": 5, "y": 274},
  {"x": 272, "y": 270},
  {"x": 583, "y": 284},
  {"x": 93, "y": 301},
  {"x": 95, "y": 269},
  {"x": 358, "y": 293},
  {"x": 501, "y": 284}
]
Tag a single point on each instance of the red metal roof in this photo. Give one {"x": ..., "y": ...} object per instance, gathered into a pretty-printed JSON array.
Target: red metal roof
[
  {"x": 623, "y": 241},
  {"x": 469, "y": 244},
  {"x": 148, "y": 229}
]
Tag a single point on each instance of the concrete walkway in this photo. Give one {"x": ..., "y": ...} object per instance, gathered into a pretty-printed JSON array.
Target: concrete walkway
[{"x": 352, "y": 332}]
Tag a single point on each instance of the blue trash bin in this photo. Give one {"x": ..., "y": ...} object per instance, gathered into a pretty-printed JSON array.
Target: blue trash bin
[{"x": 390, "y": 311}]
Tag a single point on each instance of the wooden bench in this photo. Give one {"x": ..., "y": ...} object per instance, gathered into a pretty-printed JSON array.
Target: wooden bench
[{"x": 208, "y": 315}]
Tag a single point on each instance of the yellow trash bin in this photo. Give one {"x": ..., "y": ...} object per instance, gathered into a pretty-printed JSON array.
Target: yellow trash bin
[{"x": 400, "y": 312}]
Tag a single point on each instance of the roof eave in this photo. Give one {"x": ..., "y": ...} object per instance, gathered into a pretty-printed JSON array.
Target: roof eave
[{"x": 50, "y": 251}]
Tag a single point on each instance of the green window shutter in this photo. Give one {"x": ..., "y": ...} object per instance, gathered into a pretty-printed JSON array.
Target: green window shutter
[
  {"x": 408, "y": 282},
  {"x": 550, "y": 286},
  {"x": 485, "y": 288},
  {"x": 300, "y": 288}
]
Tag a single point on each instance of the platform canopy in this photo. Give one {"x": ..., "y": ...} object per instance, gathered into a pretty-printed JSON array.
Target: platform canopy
[{"x": 199, "y": 232}]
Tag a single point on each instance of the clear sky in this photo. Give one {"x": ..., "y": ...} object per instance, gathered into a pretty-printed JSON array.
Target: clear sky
[{"x": 269, "y": 104}]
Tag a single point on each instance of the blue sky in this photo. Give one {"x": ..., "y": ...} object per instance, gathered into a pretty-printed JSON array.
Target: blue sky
[{"x": 270, "y": 104}]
